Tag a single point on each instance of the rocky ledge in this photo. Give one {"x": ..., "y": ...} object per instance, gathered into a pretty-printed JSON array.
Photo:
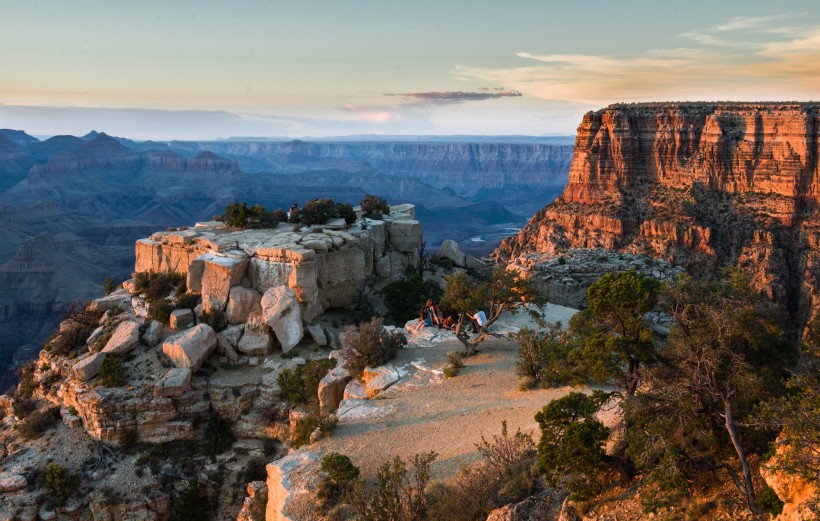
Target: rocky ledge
[{"x": 326, "y": 266}]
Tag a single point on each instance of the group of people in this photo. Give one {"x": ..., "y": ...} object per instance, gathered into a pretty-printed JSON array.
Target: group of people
[{"x": 431, "y": 315}]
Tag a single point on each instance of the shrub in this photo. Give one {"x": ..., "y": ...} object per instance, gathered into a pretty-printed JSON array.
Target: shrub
[
  {"x": 546, "y": 357},
  {"x": 450, "y": 371},
  {"x": 112, "y": 372},
  {"x": 240, "y": 216},
  {"x": 158, "y": 285},
  {"x": 27, "y": 384},
  {"x": 191, "y": 505},
  {"x": 22, "y": 406},
  {"x": 570, "y": 452},
  {"x": 372, "y": 204},
  {"x": 161, "y": 309},
  {"x": 38, "y": 422},
  {"x": 303, "y": 428},
  {"x": 109, "y": 285},
  {"x": 341, "y": 475},
  {"x": 318, "y": 211},
  {"x": 407, "y": 295},
  {"x": 346, "y": 212},
  {"x": 187, "y": 301},
  {"x": 398, "y": 493},
  {"x": 769, "y": 502},
  {"x": 370, "y": 345},
  {"x": 455, "y": 359},
  {"x": 59, "y": 482},
  {"x": 299, "y": 386},
  {"x": 562, "y": 260}
]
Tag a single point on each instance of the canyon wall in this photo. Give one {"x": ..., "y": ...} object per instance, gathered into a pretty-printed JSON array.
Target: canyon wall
[{"x": 703, "y": 185}]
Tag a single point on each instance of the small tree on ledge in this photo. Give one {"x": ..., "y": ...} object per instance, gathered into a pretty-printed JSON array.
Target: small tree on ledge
[{"x": 505, "y": 290}]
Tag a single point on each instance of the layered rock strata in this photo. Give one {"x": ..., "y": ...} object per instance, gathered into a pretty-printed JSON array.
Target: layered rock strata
[{"x": 702, "y": 185}]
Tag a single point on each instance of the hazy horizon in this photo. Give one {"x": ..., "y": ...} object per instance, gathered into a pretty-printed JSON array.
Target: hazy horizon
[{"x": 208, "y": 70}]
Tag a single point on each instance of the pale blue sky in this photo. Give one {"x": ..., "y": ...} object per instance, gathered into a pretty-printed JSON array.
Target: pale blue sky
[{"x": 316, "y": 68}]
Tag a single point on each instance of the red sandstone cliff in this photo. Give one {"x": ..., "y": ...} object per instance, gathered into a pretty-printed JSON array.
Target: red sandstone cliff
[{"x": 703, "y": 185}]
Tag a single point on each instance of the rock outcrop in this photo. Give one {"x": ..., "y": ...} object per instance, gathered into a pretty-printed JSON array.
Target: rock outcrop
[
  {"x": 702, "y": 185},
  {"x": 325, "y": 268}
]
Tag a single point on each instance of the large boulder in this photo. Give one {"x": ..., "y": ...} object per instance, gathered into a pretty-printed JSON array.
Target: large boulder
[
  {"x": 241, "y": 303},
  {"x": 124, "y": 339},
  {"x": 117, "y": 299},
  {"x": 332, "y": 388},
  {"x": 10, "y": 482},
  {"x": 153, "y": 334},
  {"x": 174, "y": 383},
  {"x": 191, "y": 347},
  {"x": 317, "y": 332},
  {"x": 405, "y": 235},
  {"x": 181, "y": 318},
  {"x": 88, "y": 367},
  {"x": 219, "y": 275},
  {"x": 290, "y": 479},
  {"x": 256, "y": 339},
  {"x": 449, "y": 250},
  {"x": 282, "y": 312}
]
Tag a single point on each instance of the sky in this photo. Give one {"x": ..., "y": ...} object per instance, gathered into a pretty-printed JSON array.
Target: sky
[{"x": 204, "y": 69}]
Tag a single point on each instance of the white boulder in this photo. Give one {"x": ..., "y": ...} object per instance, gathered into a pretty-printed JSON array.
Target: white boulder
[
  {"x": 191, "y": 347},
  {"x": 124, "y": 339},
  {"x": 282, "y": 312}
]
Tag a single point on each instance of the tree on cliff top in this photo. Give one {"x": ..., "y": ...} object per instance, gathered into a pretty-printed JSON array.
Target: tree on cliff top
[{"x": 505, "y": 290}]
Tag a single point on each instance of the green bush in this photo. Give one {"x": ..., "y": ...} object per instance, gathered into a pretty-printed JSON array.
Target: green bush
[
  {"x": 342, "y": 474},
  {"x": 398, "y": 492},
  {"x": 187, "y": 301},
  {"x": 299, "y": 386},
  {"x": 318, "y": 211},
  {"x": 22, "y": 406},
  {"x": 109, "y": 285},
  {"x": 373, "y": 204},
  {"x": 570, "y": 452},
  {"x": 159, "y": 285},
  {"x": 450, "y": 371},
  {"x": 547, "y": 357},
  {"x": 112, "y": 372},
  {"x": 27, "y": 385},
  {"x": 455, "y": 359},
  {"x": 769, "y": 502},
  {"x": 161, "y": 309},
  {"x": 346, "y": 212},
  {"x": 59, "y": 482},
  {"x": 406, "y": 296},
  {"x": 38, "y": 422},
  {"x": 370, "y": 345},
  {"x": 240, "y": 216}
]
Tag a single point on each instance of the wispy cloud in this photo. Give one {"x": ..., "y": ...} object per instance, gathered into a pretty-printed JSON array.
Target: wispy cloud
[
  {"x": 457, "y": 97},
  {"x": 744, "y": 58}
]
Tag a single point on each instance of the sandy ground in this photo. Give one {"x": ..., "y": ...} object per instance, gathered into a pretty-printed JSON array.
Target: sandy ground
[{"x": 425, "y": 411}]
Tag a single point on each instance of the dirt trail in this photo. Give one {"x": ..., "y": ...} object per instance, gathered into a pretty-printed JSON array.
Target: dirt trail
[{"x": 445, "y": 415}]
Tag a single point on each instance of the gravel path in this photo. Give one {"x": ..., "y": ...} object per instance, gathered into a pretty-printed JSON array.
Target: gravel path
[{"x": 448, "y": 416}]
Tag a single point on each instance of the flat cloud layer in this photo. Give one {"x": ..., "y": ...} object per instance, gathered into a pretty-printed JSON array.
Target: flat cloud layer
[{"x": 758, "y": 58}]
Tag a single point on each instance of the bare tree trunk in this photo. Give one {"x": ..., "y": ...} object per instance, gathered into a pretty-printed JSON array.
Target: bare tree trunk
[{"x": 748, "y": 486}]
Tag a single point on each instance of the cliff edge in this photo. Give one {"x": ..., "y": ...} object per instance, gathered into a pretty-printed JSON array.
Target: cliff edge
[{"x": 702, "y": 185}]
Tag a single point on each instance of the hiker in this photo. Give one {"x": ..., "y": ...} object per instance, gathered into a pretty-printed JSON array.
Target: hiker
[{"x": 478, "y": 321}]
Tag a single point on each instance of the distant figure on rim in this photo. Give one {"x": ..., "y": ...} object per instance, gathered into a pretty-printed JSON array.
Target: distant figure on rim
[{"x": 293, "y": 214}]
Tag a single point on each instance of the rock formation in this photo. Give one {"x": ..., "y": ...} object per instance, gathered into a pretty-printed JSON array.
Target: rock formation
[
  {"x": 702, "y": 185},
  {"x": 325, "y": 267}
]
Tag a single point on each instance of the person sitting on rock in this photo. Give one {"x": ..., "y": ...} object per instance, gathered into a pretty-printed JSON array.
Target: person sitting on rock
[
  {"x": 449, "y": 322},
  {"x": 478, "y": 321},
  {"x": 433, "y": 313}
]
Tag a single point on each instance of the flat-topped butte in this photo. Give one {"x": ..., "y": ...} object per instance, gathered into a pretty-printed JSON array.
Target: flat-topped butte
[{"x": 327, "y": 266}]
